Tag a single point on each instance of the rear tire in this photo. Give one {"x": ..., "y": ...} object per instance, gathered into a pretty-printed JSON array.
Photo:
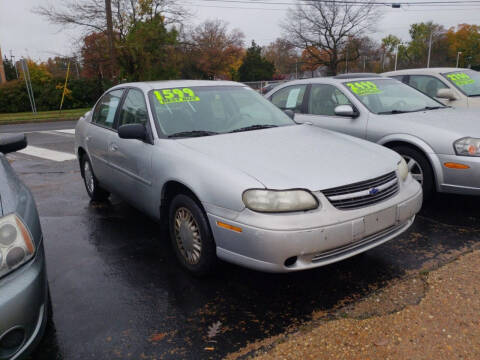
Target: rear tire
[
  {"x": 191, "y": 236},
  {"x": 419, "y": 167},
  {"x": 94, "y": 190}
]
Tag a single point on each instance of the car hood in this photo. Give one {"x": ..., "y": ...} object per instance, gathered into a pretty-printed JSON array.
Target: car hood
[
  {"x": 459, "y": 121},
  {"x": 297, "y": 156}
]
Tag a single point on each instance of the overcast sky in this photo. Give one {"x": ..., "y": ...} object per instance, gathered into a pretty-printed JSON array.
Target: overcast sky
[{"x": 28, "y": 34}]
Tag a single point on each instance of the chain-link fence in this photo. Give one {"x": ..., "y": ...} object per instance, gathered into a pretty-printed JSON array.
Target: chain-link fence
[{"x": 264, "y": 86}]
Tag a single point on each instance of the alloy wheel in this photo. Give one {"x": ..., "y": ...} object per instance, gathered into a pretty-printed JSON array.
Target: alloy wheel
[{"x": 414, "y": 168}]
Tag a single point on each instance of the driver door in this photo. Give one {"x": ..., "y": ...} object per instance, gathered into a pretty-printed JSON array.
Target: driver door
[{"x": 131, "y": 159}]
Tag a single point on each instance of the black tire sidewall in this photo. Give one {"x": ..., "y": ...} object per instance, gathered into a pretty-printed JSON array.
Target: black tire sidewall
[
  {"x": 208, "y": 253},
  {"x": 428, "y": 185},
  {"x": 98, "y": 193}
]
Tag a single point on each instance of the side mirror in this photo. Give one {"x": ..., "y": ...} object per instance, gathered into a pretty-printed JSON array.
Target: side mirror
[
  {"x": 133, "y": 131},
  {"x": 290, "y": 113},
  {"x": 345, "y": 110},
  {"x": 12, "y": 143},
  {"x": 446, "y": 94}
]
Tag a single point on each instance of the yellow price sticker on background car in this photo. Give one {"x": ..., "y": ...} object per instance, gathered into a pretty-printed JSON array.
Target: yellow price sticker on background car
[
  {"x": 460, "y": 79},
  {"x": 169, "y": 96},
  {"x": 363, "y": 88}
]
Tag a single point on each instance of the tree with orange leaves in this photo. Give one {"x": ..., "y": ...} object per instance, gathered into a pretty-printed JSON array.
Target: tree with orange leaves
[{"x": 465, "y": 39}]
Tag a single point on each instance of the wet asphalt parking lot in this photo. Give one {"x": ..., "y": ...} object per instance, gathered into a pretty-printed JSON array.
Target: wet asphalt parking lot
[{"x": 118, "y": 293}]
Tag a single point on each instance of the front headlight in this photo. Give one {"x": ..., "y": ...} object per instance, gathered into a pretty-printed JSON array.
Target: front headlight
[
  {"x": 467, "y": 146},
  {"x": 16, "y": 244},
  {"x": 279, "y": 200},
  {"x": 402, "y": 168}
]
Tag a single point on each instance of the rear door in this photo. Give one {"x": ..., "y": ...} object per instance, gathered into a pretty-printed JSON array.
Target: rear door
[
  {"x": 99, "y": 133},
  {"x": 131, "y": 159},
  {"x": 321, "y": 102}
]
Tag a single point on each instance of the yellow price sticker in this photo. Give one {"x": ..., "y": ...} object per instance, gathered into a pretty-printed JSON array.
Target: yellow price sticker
[
  {"x": 362, "y": 88},
  {"x": 460, "y": 79},
  {"x": 178, "y": 95}
]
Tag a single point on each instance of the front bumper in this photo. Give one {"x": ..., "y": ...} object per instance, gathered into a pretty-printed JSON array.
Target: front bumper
[
  {"x": 460, "y": 181},
  {"x": 313, "y": 238},
  {"x": 23, "y": 305}
]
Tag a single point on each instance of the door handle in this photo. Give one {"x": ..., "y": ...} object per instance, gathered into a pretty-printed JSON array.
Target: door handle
[{"x": 113, "y": 147}]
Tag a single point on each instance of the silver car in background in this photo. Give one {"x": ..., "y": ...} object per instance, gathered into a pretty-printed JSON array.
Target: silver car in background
[
  {"x": 23, "y": 278},
  {"x": 237, "y": 179},
  {"x": 441, "y": 145},
  {"x": 452, "y": 86}
]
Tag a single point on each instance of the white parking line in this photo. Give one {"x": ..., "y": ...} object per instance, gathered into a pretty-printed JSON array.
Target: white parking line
[
  {"x": 66, "y": 131},
  {"x": 47, "y": 154}
]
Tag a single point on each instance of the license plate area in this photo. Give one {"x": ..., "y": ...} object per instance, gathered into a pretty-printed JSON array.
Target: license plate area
[{"x": 380, "y": 220}]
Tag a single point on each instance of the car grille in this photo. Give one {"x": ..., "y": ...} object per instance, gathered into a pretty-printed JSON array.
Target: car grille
[{"x": 363, "y": 193}]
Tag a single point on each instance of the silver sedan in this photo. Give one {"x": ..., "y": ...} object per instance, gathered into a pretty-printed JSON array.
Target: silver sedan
[
  {"x": 23, "y": 278},
  {"x": 236, "y": 178},
  {"x": 440, "y": 144}
]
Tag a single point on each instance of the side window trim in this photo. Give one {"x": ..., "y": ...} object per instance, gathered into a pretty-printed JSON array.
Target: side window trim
[{"x": 113, "y": 127}]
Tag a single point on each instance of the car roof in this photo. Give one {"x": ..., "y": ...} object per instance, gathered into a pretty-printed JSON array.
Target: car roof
[
  {"x": 150, "y": 85},
  {"x": 333, "y": 79},
  {"x": 438, "y": 70},
  {"x": 356, "y": 76}
]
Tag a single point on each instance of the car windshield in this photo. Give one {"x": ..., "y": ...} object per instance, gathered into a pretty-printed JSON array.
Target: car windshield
[
  {"x": 211, "y": 110},
  {"x": 467, "y": 81},
  {"x": 388, "y": 96}
]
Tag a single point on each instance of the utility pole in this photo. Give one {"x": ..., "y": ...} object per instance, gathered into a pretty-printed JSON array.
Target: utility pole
[
  {"x": 396, "y": 58},
  {"x": 429, "y": 49},
  {"x": 111, "y": 49},
  {"x": 3, "y": 78},
  {"x": 458, "y": 57},
  {"x": 364, "y": 62},
  {"x": 12, "y": 59}
]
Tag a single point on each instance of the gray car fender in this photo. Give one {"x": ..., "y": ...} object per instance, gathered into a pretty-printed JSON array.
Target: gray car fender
[
  {"x": 218, "y": 186},
  {"x": 423, "y": 146}
]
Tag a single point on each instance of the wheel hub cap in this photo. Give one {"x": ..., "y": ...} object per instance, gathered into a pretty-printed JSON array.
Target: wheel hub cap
[
  {"x": 88, "y": 177},
  {"x": 187, "y": 235}
]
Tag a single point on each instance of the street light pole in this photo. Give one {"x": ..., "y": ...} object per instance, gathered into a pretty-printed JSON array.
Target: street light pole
[
  {"x": 429, "y": 49},
  {"x": 458, "y": 57}
]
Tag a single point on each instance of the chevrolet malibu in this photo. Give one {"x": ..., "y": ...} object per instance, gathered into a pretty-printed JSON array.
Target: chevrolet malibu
[
  {"x": 23, "y": 279},
  {"x": 236, "y": 178},
  {"x": 440, "y": 144}
]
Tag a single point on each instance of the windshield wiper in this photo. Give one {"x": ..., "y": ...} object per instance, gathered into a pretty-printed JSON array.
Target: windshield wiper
[
  {"x": 394, "y": 112},
  {"x": 193, "y": 133},
  {"x": 253, "y": 127},
  {"x": 433, "y": 107}
]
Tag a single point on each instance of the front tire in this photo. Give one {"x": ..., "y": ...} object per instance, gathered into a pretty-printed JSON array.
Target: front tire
[
  {"x": 191, "y": 236},
  {"x": 94, "y": 190},
  {"x": 419, "y": 167}
]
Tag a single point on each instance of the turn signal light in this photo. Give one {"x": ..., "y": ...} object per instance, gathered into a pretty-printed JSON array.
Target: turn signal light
[
  {"x": 229, "y": 227},
  {"x": 452, "y": 165}
]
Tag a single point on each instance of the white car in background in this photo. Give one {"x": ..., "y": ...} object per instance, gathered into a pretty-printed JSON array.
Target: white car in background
[{"x": 452, "y": 86}]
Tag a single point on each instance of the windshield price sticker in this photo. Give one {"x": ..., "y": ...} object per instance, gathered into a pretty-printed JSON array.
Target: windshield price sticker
[
  {"x": 169, "y": 96},
  {"x": 363, "y": 88},
  {"x": 460, "y": 79}
]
